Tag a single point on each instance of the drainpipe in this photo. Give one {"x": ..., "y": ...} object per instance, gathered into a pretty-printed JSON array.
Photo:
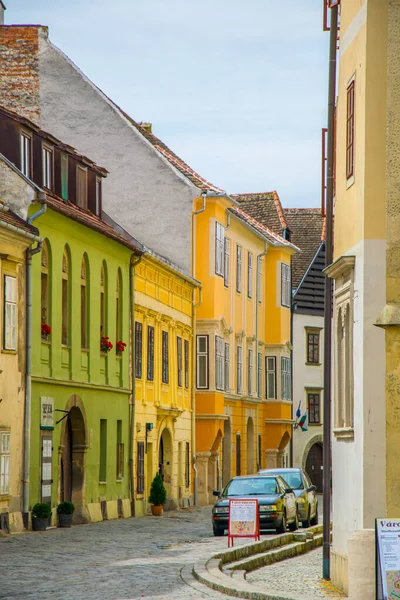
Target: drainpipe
[
  {"x": 135, "y": 260},
  {"x": 28, "y": 364},
  {"x": 326, "y": 566}
]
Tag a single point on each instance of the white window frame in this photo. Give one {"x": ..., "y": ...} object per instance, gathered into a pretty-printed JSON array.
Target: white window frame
[
  {"x": 259, "y": 279},
  {"x": 219, "y": 249},
  {"x": 47, "y": 166},
  {"x": 10, "y": 313},
  {"x": 286, "y": 378},
  {"x": 226, "y": 261},
  {"x": 285, "y": 285},
  {"x": 239, "y": 261},
  {"x": 219, "y": 363},
  {"x": 250, "y": 372},
  {"x": 249, "y": 275},
  {"x": 259, "y": 374},
  {"x": 201, "y": 361},
  {"x": 26, "y": 153},
  {"x": 227, "y": 366},
  {"x": 270, "y": 377},
  {"x": 239, "y": 370},
  {"x": 5, "y": 439}
]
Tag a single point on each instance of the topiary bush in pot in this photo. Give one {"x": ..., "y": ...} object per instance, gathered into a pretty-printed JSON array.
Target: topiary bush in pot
[
  {"x": 65, "y": 510},
  {"x": 158, "y": 495},
  {"x": 41, "y": 514}
]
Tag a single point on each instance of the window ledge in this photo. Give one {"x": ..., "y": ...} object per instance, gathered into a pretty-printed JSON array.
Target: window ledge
[
  {"x": 85, "y": 350},
  {"x": 314, "y": 424},
  {"x": 118, "y": 480},
  {"x": 65, "y": 346},
  {"x": 6, "y": 351},
  {"x": 45, "y": 341},
  {"x": 344, "y": 433},
  {"x": 4, "y": 496},
  {"x": 312, "y": 364},
  {"x": 349, "y": 182},
  {"x": 102, "y": 482}
]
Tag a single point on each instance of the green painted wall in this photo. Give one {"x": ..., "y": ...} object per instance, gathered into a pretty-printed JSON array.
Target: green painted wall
[{"x": 101, "y": 382}]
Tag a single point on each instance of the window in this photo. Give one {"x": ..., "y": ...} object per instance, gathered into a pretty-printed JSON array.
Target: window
[
  {"x": 249, "y": 275},
  {"x": 26, "y": 145},
  {"x": 138, "y": 350},
  {"x": 226, "y": 377},
  {"x": 259, "y": 374},
  {"x": 219, "y": 249},
  {"x": 239, "y": 370},
  {"x": 118, "y": 316},
  {"x": 313, "y": 402},
  {"x": 98, "y": 196},
  {"x": 103, "y": 301},
  {"x": 202, "y": 362},
  {"x": 238, "y": 269},
  {"x": 165, "y": 369},
  {"x": 259, "y": 279},
  {"x": 250, "y": 372},
  {"x": 226, "y": 261},
  {"x": 286, "y": 378},
  {"x": 65, "y": 300},
  {"x": 64, "y": 176},
  {"x": 219, "y": 363},
  {"x": 313, "y": 348},
  {"x": 140, "y": 467},
  {"x": 350, "y": 132},
  {"x": 44, "y": 285},
  {"x": 150, "y": 353},
  {"x": 120, "y": 451},
  {"x": 186, "y": 346},
  {"x": 103, "y": 451},
  {"x": 81, "y": 187},
  {"x": 179, "y": 358},
  {"x": 10, "y": 313},
  {"x": 238, "y": 453},
  {"x": 84, "y": 304},
  {"x": 270, "y": 370},
  {"x": 285, "y": 284},
  {"x": 187, "y": 465},
  {"x": 47, "y": 167},
  {"x": 4, "y": 462}
]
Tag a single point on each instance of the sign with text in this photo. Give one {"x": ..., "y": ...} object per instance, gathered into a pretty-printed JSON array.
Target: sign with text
[
  {"x": 243, "y": 519},
  {"x": 46, "y": 413},
  {"x": 387, "y": 547}
]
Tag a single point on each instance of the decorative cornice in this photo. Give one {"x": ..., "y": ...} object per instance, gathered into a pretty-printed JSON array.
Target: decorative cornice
[
  {"x": 279, "y": 421},
  {"x": 212, "y": 417},
  {"x": 342, "y": 266},
  {"x": 389, "y": 317}
]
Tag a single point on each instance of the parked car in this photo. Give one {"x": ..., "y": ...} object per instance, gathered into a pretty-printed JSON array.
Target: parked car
[
  {"x": 306, "y": 493},
  {"x": 276, "y": 501}
]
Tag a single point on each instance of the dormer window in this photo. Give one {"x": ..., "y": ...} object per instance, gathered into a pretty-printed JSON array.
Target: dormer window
[
  {"x": 26, "y": 145},
  {"x": 81, "y": 187},
  {"x": 98, "y": 196},
  {"x": 47, "y": 167}
]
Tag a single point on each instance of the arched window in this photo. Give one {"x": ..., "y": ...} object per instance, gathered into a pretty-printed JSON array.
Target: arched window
[
  {"x": 44, "y": 283},
  {"x": 118, "y": 306},
  {"x": 84, "y": 303},
  {"x": 103, "y": 300},
  {"x": 65, "y": 299}
]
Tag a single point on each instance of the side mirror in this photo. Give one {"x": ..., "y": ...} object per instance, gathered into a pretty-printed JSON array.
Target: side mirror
[
  {"x": 216, "y": 493},
  {"x": 288, "y": 490},
  {"x": 312, "y": 488}
]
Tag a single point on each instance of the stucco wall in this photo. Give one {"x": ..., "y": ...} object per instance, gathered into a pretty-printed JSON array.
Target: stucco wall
[
  {"x": 142, "y": 192},
  {"x": 15, "y": 190}
]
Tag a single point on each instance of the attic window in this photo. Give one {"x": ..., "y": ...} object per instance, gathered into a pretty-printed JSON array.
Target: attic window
[
  {"x": 98, "y": 196},
  {"x": 26, "y": 145},
  {"x": 81, "y": 187},
  {"x": 47, "y": 167}
]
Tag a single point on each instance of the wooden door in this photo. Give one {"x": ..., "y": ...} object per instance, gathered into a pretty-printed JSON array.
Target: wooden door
[{"x": 314, "y": 466}]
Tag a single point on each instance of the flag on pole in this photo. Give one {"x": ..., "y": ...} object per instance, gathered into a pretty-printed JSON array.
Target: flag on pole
[
  {"x": 303, "y": 423},
  {"x": 298, "y": 412}
]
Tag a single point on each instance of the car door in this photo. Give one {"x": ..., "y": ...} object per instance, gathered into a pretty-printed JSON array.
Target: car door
[
  {"x": 311, "y": 495},
  {"x": 290, "y": 501}
]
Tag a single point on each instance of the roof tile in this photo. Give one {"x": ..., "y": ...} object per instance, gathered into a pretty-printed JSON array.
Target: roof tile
[
  {"x": 272, "y": 237},
  {"x": 7, "y": 216},
  {"x": 266, "y": 207}
]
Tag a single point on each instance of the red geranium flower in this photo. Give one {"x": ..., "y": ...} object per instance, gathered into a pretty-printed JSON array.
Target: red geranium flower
[
  {"x": 105, "y": 344},
  {"x": 46, "y": 329},
  {"x": 120, "y": 346}
]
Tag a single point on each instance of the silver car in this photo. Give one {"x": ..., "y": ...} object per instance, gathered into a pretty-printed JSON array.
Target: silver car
[{"x": 306, "y": 496}]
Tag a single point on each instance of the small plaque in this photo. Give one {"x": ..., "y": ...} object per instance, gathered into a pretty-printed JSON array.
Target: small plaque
[{"x": 46, "y": 413}]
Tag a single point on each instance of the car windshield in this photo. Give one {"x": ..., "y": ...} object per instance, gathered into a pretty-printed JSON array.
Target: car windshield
[
  {"x": 252, "y": 486},
  {"x": 293, "y": 479}
]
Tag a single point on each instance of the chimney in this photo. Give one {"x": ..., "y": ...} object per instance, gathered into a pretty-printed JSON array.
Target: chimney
[
  {"x": 147, "y": 126},
  {"x": 2, "y": 9}
]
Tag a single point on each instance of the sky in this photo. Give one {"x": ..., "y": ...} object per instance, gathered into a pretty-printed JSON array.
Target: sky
[{"x": 237, "y": 88}]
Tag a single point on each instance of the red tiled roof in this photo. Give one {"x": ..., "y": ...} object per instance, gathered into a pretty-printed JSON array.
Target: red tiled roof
[
  {"x": 7, "y": 216},
  {"x": 87, "y": 218},
  {"x": 265, "y": 231},
  {"x": 265, "y": 207}
]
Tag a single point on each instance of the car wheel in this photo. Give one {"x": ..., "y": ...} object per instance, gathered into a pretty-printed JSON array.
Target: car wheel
[
  {"x": 314, "y": 520},
  {"x": 307, "y": 522},
  {"x": 295, "y": 525},
  {"x": 282, "y": 526},
  {"x": 218, "y": 532}
]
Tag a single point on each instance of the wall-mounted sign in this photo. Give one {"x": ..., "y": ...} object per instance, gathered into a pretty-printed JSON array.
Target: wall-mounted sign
[
  {"x": 243, "y": 519},
  {"x": 387, "y": 547},
  {"x": 46, "y": 413}
]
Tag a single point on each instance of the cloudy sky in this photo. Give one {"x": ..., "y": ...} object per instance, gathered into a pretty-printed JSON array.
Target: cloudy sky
[{"x": 237, "y": 88}]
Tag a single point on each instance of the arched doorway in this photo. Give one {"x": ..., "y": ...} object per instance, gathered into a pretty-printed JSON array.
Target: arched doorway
[
  {"x": 314, "y": 464},
  {"x": 72, "y": 460},
  {"x": 165, "y": 459},
  {"x": 250, "y": 446},
  {"x": 227, "y": 453}
]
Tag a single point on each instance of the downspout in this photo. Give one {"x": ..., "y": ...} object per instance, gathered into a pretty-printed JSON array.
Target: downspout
[
  {"x": 326, "y": 565},
  {"x": 195, "y": 305},
  {"x": 259, "y": 256},
  {"x": 28, "y": 365},
  {"x": 135, "y": 260}
]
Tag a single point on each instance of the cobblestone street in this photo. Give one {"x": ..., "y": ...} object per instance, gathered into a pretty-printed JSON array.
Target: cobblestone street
[{"x": 131, "y": 559}]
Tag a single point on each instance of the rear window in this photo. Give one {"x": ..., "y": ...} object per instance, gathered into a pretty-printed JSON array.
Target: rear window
[
  {"x": 252, "y": 487},
  {"x": 293, "y": 479}
]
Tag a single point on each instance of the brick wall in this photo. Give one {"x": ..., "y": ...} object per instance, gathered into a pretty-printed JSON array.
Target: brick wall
[{"x": 19, "y": 69}]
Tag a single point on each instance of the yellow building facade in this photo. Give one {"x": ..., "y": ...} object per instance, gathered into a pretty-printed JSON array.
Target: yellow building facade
[
  {"x": 243, "y": 352},
  {"x": 163, "y": 365}
]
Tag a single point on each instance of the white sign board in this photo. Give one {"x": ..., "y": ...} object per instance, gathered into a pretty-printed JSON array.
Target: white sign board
[
  {"x": 46, "y": 412},
  {"x": 243, "y": 519},
  {"x": 388, "y": 559}
]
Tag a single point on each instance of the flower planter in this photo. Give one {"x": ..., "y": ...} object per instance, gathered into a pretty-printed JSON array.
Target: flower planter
[
  {"x": 65, "y": 520},
  {"x": 40, "y": 524},
  {"x": 157, "y": 511}
]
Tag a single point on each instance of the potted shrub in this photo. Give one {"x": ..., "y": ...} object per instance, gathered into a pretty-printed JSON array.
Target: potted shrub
[
  {"x": 65, "y": 510},
  {"x": 41, "y": 514},
  {"x": 158, "y": 495}
]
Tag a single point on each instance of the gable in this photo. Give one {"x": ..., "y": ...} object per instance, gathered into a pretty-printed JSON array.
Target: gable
[{"x": 309, "y": 296}]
